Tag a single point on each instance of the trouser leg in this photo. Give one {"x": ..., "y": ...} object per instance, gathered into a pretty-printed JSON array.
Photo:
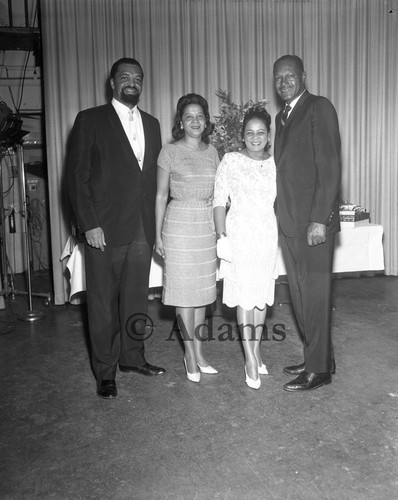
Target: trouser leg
[
  {"x": 134, "y": 301},
  {"x": 290, "y": 260},
  {"x": 102, "y": 282},
  {"x": 310, "y": 276}
]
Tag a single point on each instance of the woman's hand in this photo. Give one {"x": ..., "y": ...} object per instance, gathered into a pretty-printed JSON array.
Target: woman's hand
[{"x": 159, "y": 247}]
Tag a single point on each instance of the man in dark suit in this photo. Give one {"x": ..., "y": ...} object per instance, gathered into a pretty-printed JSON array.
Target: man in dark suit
[
  {"x": 307, "y": 156},
  {"x": 111, "y": 174}
]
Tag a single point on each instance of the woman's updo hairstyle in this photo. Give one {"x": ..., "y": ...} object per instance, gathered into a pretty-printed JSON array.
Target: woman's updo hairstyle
[
  {"x": 177, "y": 131},
  {"x": 260, "y": 113}
]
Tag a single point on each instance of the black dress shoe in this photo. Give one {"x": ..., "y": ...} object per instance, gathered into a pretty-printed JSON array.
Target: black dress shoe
[
  {"x": 294, "y": 369},
  {"x": 146, "y": 369},
  {"x": 298, "y": 369},
  {"x": 307, "y": 381},
  {"x": 107, "y": 389}
]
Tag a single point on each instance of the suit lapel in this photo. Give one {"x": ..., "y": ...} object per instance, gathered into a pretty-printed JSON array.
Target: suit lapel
[
  {"x": 281, "y": 131},
  {"x": 278, "y": 136},
  {"x": 148, "y": 137},
  {"x": 297, "y": 108}
]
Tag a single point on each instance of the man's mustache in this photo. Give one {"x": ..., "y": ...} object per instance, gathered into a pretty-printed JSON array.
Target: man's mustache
[{"x": 131, "y": 87}]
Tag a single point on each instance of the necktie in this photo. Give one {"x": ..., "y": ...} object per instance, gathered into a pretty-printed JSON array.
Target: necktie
[
  {"x": 285, "y": 114},
  {"x": 134, "y": 136}
]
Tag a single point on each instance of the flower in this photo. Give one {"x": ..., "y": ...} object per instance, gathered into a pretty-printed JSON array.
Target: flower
[{"x": 227, "y": 134}]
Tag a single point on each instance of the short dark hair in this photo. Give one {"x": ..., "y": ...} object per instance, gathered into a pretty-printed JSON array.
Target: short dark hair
[
  {"x": 183, "y": 102},
  {"x": 297, "y": 60},
  {"x": 260, "y": 113},
  {"x": 124, "y": 60}
]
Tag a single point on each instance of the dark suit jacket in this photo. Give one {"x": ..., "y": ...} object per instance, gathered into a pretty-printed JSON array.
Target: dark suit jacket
[
  {"x": 106, "y": 185},
  {"x": 307, "y": 157}
]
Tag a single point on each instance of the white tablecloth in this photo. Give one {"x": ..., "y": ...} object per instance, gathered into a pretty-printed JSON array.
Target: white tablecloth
[{"x": 357, "y": 249}]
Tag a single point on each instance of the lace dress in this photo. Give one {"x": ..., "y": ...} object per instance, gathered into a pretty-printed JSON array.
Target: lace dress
[
  {"x": 188, "y": 233},
  {"x": 250, "y": 186}
]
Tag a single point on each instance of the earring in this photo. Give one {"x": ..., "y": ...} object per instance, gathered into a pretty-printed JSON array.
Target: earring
[{"x": 181, "y": 126}]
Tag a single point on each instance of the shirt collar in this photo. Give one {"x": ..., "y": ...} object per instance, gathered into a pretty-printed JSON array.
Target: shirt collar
[
  {"x": 122, "y": 108},
  {"x": 294, "y": 102}
]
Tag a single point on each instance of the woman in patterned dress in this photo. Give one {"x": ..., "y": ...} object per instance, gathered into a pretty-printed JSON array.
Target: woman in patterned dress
[
  {"x": 185, "y": 235},
  {"x": 247, "y": 239}
]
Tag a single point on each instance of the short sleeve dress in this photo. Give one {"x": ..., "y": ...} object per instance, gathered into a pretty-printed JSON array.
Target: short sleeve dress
[
  {"x": 188, "y": 233},
  {"x": 250, "y": 185}
]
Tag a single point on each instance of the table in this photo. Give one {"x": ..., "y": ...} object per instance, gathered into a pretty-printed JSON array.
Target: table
[{"x": 357, "y": 249}]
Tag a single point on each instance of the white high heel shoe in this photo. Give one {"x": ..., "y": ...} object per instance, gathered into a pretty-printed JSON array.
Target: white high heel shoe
[
  {"x": 253, "y": 384},
  {"x": 262, "y": 370},
  {"x": 193, "y": 377},
  {"x": 207, "y": 369}
]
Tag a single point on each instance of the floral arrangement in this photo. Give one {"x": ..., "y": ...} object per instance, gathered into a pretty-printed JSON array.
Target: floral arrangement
[{"x": 227, "y": 135}]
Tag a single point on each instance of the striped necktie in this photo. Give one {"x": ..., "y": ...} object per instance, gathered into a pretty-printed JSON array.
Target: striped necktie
[{"x": 285, "y": 114}]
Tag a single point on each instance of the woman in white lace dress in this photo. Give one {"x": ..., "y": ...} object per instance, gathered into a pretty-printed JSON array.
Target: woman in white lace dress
[{"x": 247, "y": 238}]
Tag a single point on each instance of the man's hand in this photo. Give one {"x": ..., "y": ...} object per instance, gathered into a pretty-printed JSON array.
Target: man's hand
[
  {"x": 96, "y": 238},
  {"x": 316, "y": 234}
]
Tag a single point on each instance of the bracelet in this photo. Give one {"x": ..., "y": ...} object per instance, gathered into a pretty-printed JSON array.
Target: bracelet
[{"x": 221, "y": 235}]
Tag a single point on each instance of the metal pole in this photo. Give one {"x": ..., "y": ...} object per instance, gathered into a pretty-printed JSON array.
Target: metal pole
[
  {"x": 4, "y": 290},
  {"x": 29, "y": 315}
]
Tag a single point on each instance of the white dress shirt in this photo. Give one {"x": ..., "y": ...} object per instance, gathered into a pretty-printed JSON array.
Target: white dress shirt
[
  {"x": 294, "y": 102},
  {"x": 132, "y": 125}
]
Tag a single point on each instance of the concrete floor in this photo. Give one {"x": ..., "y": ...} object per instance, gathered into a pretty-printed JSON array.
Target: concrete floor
[{"x": 168, "y": 438}]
